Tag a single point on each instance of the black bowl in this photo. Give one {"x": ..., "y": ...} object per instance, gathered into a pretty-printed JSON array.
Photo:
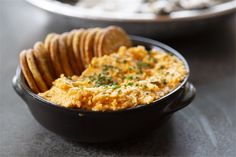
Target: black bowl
[{"x": 94, "y": 126}]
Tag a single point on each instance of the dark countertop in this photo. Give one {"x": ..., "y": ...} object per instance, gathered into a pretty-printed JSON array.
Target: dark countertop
[{"x": 207, "y": 127}]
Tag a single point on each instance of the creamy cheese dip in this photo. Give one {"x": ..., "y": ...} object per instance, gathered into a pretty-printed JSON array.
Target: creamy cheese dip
[{"x": 130, "y": 77}]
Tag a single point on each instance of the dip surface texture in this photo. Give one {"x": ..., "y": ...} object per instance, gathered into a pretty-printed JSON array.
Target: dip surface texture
[{"x": 125, "y": 79}]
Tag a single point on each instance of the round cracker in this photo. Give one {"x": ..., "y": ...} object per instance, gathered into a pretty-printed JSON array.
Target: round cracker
[
  {"x": 43, "y": 61},
  {"x": 96, "y": 41},
  {"x": 88, "y": 46},
  {"x": 35, "y": 71},
  {"x": 47, "y": 45},
  {"x": 112, "y": 39},
  {"x": 55, "y": 57},
  {"x": 76, "y": 48},
  {"x": 71, "y": 56},
  {"x": 26, "y": 72},
  {"x": 48, "y": 39},
  {"x": 82, "y": 47},
  {"x": 64, "y": 55}
]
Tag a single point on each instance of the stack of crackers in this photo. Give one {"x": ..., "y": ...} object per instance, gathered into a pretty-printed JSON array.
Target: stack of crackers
[{"x": 68, "y": 53}]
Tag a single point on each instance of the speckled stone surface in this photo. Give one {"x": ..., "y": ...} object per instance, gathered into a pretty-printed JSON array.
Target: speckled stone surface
[{"x": 207, "y": 127}]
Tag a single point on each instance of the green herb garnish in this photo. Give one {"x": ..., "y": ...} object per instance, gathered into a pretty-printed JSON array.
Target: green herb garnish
[
  {"x": 130, "y": 77},
  {"x": 164, "y": 81},
  {"x": 130, "y": 68},
  {"x": 115, "y": 86},
  {"x": 102, "y": 80},
  {"x": 92, "y": 77},
  {"x": 130, "y": 84},
  {"x": 141, "y": 65},
  {"x": 145, "y": 86},
  {"x": 107, "y": 67},
  {"x": 162, "y": 67}
]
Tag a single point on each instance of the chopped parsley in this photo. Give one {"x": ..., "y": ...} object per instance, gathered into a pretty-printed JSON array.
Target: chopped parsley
[
  {"x": 145, "y": 87},
  {"x": 162, "y": 67},
  {"x": 115, "y": 86},
  {"x": 119, "y": 91},
  {"x": 130, "y": 77},
  {"x": 130, "y": 84},
  {"x": 107, "y": 67},
  {"x": 153, "y": 60},
  {"x": 130, "y": 68},
  {"x": 164, "y": 81},
  {"x": 141, "y": 64},
  {"x": 102, "y": 80},
  {"x": 92, "y": 78},
  {"x": 124, "y": 61},
  {"x": 149, "y": 52}
]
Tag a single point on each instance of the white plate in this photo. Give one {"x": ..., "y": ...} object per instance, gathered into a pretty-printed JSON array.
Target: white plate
[{"x": 73, "y": 11}]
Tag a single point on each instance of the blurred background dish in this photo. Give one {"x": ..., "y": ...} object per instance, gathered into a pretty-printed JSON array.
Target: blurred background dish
[{"x": 164, "y": 19}]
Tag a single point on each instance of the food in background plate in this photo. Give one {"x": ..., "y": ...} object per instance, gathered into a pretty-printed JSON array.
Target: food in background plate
[
  {"x": 121, "y": 80},
  {"x": 144, "y": 6}
]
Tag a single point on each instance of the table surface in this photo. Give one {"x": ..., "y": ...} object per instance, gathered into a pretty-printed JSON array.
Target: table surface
[{"x": 207, "y": 127}]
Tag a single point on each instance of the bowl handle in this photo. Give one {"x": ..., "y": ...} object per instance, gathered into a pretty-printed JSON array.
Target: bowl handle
[
  {"x": 17, "y": 85},
  {"x": 186, "y": 98}
]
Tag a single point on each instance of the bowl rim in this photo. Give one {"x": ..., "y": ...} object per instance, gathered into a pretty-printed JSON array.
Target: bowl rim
[
  {"x": 68, "y": 10},
  {"x": 147, "y": 41}
]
